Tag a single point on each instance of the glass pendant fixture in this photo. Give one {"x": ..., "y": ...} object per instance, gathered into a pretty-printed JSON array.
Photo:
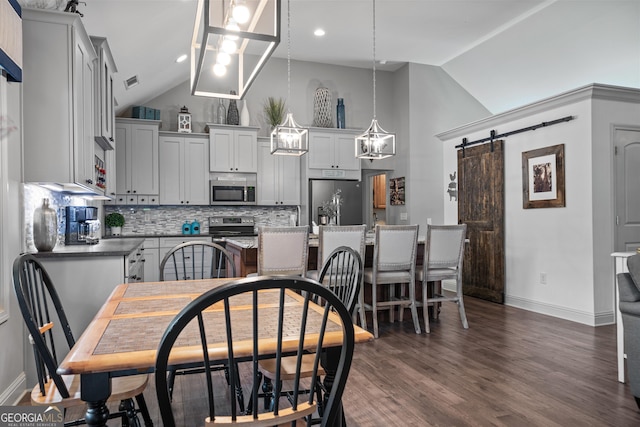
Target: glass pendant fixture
[
  {"x": 375, "y": 143},
  {"x": 289, "y": 138}
]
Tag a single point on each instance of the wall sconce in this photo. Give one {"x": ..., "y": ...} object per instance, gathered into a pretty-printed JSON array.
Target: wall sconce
[{"x": 232, "y": 40}]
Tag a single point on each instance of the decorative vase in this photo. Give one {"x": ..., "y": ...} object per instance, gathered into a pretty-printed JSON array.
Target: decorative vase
[
  {"x": 322, "y": 108},
  {"x": 45, "y": 227},
  {"x": 233, "y": 116},
  {"x": 221, "y": 117},
  {"x": 244, "y": 115},
  {"x": 340, "y": 114}
]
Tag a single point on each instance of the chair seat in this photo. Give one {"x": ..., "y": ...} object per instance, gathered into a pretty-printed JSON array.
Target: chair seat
[
  {"x": 437, "y": 274},
  {"x": 122, "y": 388},
  {"x": 387, "y": 277},
  {"x": 288, "y": 367}
]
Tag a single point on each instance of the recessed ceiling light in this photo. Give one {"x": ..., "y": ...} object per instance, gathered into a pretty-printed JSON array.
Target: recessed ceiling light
[
  {"x": 181, "y": 58},
  {"x": 319, "y": 32}
]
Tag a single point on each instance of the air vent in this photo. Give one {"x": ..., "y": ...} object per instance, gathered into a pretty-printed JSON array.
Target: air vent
[{"x": 131, "y": 82}]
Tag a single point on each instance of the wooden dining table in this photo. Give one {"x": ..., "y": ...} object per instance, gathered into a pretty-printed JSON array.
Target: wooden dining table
[{"x": 124, "y": 336}]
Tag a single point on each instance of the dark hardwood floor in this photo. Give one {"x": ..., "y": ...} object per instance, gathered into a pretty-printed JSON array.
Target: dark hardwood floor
[{"x": 510, "y": 368}]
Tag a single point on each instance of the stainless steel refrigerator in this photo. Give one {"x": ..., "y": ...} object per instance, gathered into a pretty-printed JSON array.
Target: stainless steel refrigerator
[{"x": 322, "y": 190}]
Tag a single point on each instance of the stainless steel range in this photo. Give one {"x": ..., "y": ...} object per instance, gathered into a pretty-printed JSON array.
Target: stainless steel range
[{"x": 231, "y": 226}]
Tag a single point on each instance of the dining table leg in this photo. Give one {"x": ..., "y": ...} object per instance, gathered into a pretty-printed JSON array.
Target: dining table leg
[{"x": 95, "y": 389}]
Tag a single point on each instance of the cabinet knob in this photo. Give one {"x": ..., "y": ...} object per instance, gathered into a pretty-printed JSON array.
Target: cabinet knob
[{"x": 135, "y": 191}]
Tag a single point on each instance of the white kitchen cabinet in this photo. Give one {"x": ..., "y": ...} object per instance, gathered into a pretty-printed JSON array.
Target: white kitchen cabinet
[
  {"x": 151, "y": 260},
  {"x": 104, "y": 102},
  {"x": 279, "y": 177},
  {"x": 137, "y": 157},
  {"x": 184, "y": 169},
  {"x": 332, "y": 150},
  {"x": 58, "y": 100},
  {"x": 233, "y": 148},
  {"x": 110, "y": 164}
]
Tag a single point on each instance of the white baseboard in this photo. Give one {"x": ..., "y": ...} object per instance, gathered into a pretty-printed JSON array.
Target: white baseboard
[
  {"x": 583, "y": 317},
  {"x": 591, "y": 319},
  {"x": 12, "y": 395}
]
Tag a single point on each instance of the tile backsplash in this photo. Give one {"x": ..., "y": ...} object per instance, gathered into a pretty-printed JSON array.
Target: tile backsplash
[
  {"x": 144, "y": 220},
  {"x": 33, "y": 195},
  {"x": 150, "y": 220}
]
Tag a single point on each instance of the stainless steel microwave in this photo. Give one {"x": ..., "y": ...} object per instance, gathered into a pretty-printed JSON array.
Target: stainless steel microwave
[{"x": 233, "y": 189}]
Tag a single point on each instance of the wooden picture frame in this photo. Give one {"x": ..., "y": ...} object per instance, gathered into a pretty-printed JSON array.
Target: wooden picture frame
[{"x": 543, "y": 178}]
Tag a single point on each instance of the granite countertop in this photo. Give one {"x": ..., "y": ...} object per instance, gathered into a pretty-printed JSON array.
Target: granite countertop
[
  {"x": 153, "y": 236},
  {"x": 252, "y": 242},
  {"x": 106, "y": 247}
]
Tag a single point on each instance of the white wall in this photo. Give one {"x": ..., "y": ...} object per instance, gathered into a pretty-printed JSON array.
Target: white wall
[
  {"x": 437, "y": 102},
  {"x": 12, "y": 353},
  {"x": 572, "y": 245}
]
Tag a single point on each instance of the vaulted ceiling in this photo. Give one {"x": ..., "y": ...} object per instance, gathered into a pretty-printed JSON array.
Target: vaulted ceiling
[{"x": 146, "y": 36}]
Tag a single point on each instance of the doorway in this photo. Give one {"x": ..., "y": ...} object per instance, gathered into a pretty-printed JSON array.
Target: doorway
[
  {"x": 375, "y": 197},
  {"x": 627, "y": 188},
  {"x": 379, "y": 199},
  {"x": 481, "y": 207}
]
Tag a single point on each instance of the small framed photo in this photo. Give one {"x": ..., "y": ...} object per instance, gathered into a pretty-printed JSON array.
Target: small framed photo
[{"x": 543, "y": 178}]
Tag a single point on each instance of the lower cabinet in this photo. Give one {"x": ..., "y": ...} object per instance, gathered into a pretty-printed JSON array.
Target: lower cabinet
[
  {"x": 84, "y": 284},
  {"x": 279, "y": 177},
  {"x": 151, "y": 260}
]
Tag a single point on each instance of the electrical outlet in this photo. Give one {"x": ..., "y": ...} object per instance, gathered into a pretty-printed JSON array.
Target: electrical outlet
[
  {"x": 428, "y": 221},
  {"x": 403, "y": 216},
  {"x": 543, "y": 278}
]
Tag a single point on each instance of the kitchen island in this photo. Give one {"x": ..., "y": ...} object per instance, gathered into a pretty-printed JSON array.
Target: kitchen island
[{"x": 244, "y": 251}]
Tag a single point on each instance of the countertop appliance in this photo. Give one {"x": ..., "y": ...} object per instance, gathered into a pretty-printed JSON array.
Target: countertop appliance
[
  {"x": 231, "y": 226},
  {"x": 81, "y": 223},
  {"x": 322, "y": 190},
  {"x": 233, "y": 189}
]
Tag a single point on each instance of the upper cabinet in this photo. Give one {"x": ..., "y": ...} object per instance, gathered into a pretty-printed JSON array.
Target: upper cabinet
[
  {"x": 332, "y": 150},
  {"x": 137, "y": 159},
  {"x": 104, "y": 102},
  {"x": 279, "y": 177},
  {"x": 233, "y": 148},
  {"x": 184, "y": 169},
  {"x": 58, "y": 100}
]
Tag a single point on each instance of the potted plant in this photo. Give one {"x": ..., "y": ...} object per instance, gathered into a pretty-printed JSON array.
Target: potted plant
[
  {"x": 114, "y": 221},
  {"x": 274, "y": 111}
]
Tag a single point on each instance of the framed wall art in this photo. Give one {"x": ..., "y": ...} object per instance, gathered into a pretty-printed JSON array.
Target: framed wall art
[
  {"x": 543, "y": 178},
  {"x": 396, "y": 193}
]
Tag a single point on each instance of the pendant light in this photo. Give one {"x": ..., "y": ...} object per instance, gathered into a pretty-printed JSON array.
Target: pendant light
[
  {"x": 289, "y": 138},
  {"x": 232, "y": 41},
  {"x": 375, "y": 143}
]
